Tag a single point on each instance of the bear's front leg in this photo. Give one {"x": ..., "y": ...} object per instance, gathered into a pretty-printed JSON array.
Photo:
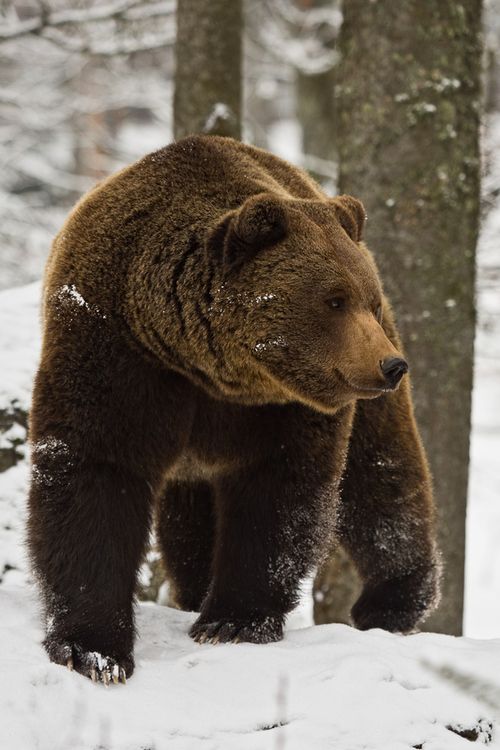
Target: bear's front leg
[
  {"x": 273, "y": 521},
  {"x": 386, "y": 516},
  {"x": 105, "y": 425},
  {"x": 88, "y": 527}
]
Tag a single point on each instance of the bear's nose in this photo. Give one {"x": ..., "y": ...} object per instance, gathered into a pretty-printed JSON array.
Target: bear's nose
[{"x": 393, "y": 370}]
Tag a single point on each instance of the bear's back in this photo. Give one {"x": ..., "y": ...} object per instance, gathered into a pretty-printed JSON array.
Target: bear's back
[
  {"x": 221, "y": 173},
  {"x": 192, "y": 182}
]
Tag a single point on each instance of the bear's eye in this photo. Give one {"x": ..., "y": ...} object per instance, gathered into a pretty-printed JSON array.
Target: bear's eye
[
  {"x": 378, "y": 314},
  {"x": 337, "y": 303}
]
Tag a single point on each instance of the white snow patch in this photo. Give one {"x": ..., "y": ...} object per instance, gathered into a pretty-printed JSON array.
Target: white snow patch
[
  {"x": 72, "y": 292},
  {"x": 447, "y": 83},
  {"x": 19, "y": 343},
  {"x": 327, "y": 686},
  {"x": 273, "y": 342},
  {"x": 260, "y": 298},
  {"x": 15, "y": 434},
  {"x": 220, "y": 111},
  {"x": 68, "y": 293},
  {"x": 50, "y": 445},
  {"x": 13, "y": 491},
  {"x": 425, "y": 107}
]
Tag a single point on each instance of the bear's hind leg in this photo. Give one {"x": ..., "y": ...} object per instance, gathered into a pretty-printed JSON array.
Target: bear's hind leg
[
  {"x": 186, "y": 528},
  {"x": 272, "y": 519}
]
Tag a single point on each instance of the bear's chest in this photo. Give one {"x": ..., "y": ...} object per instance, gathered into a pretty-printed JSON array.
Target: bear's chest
[{"x": 227, "y": 436}]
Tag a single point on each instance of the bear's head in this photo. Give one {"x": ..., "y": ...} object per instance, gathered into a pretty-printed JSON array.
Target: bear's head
[{"x": 300, "y": 308}]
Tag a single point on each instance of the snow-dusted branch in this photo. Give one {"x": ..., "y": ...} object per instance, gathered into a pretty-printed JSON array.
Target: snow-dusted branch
[
  {"x": 126, "y": 10},
  {"x": 111, "y": 47},
  {"x": 305, "y": 39}
]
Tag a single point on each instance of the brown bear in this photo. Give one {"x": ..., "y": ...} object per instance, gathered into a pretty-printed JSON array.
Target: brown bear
[{"x": 218, "y": 348}]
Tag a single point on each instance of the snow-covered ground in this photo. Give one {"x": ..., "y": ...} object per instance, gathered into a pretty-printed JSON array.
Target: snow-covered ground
[{"x": 324, "y": 687}]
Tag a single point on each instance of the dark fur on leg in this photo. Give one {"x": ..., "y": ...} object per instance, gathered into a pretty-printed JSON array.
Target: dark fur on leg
[
  {"x": 275, "y": 519},
  {"x": 92, "y": 493},
  {"x": 89, "y": 577},
  {"x": 186, "y": 529},
  {"x": 398, "y": 604},
  {"x": 387, "y": 514}
]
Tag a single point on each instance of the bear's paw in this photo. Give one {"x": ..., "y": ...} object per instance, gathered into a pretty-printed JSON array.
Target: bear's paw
[
  {"x": 256, "y": 630},
  {"x": 400, "y": 604},
  {"x": 91, "y": 664}
]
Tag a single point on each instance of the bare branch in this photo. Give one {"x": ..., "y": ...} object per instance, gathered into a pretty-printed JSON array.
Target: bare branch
[
  {"x": 128, "y": 10},
  {"x": 110, "y": 48}
]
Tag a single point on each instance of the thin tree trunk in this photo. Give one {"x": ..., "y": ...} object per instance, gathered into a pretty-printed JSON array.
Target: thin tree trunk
[
  {"x": 407, "y": 106},
  {"x": 336, "y": 588},
  {"x": 315, "y": 108},
  {"x": 207, "y": 95}
]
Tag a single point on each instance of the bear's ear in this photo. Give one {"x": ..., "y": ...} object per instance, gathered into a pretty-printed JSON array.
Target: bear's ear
[
  {"x": 351, "y": 215},
  {"x": 260, "y": 222}
]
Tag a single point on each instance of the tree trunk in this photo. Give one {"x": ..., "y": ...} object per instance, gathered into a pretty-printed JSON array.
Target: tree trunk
[
  {"x": 315, "y": 109},
  {"x": 336, "y": 588},
  {"x": 207, "y": 95},
  {"x": 407, "y": 105}
]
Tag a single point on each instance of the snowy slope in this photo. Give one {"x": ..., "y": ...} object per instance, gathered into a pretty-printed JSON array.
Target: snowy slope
[{"x": 324, "y": 687}]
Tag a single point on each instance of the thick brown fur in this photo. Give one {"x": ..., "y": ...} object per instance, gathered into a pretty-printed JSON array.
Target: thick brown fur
[{"x": 214, "y": 330}]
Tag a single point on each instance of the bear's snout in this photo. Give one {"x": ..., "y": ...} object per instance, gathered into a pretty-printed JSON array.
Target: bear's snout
[{"x": 393, "y": 369}]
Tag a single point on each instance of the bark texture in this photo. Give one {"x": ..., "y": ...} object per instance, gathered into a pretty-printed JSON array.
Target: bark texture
[
  {"x": 336, "y": 588},
  {"x": 207, "y": 95},
  {"x": 407, "y": 104}
]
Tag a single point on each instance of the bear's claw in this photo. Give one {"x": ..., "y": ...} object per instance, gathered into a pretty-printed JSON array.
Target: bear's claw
[
  {"x": 259, "y": 630},
  {"x": 104, "y": 670},
  {"x": 91, "y": 664}
]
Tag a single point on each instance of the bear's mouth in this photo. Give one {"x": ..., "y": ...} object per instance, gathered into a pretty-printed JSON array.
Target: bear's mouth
[{"x": 361, "y": 388}]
